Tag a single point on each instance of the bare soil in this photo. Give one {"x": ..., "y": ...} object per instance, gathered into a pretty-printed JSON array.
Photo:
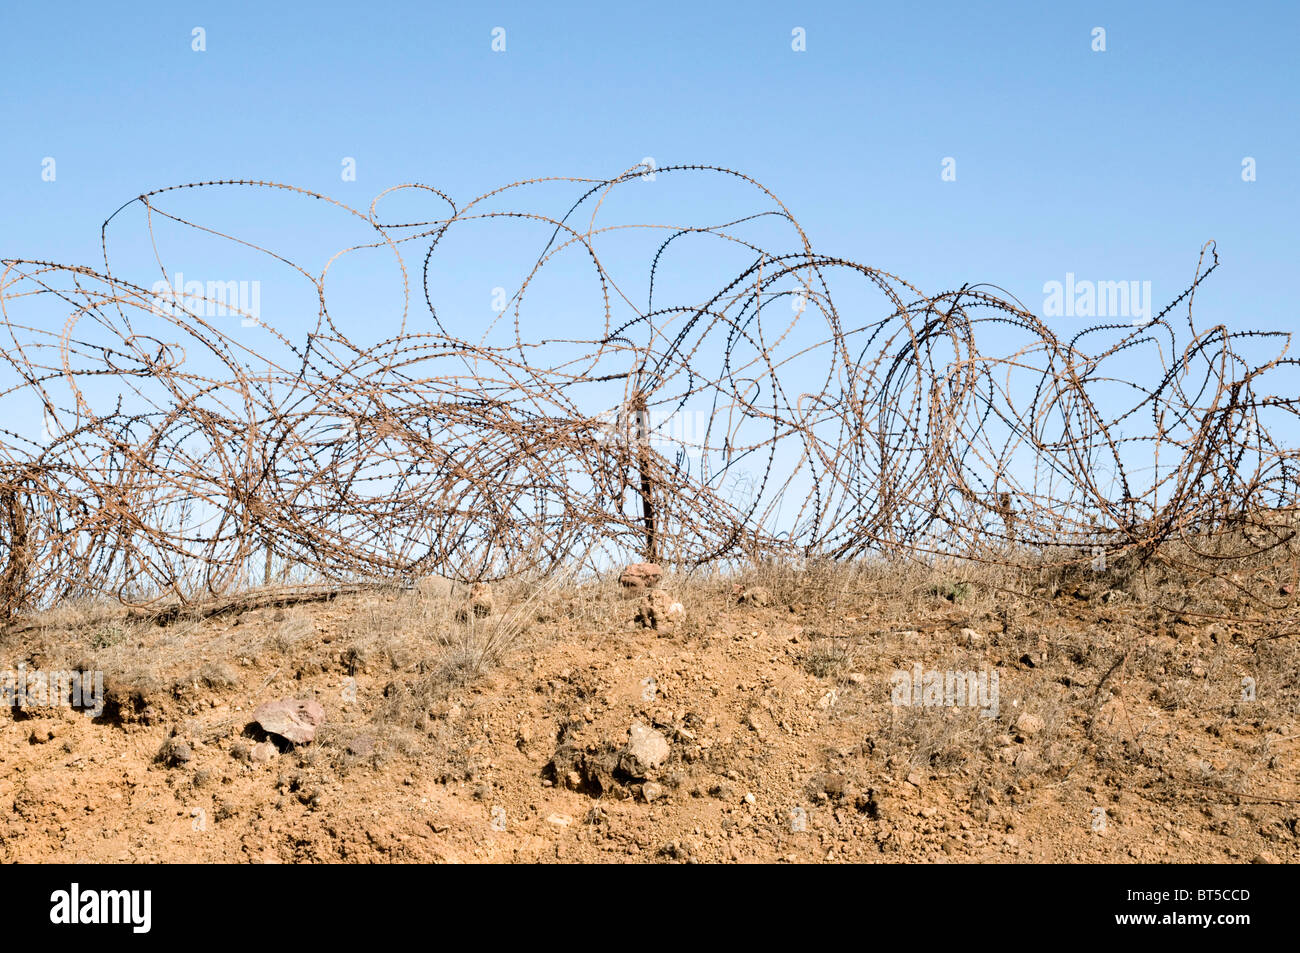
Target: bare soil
[{"x": 1124, "y": 731}]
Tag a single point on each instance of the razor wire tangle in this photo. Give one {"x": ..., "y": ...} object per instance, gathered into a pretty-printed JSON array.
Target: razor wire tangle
[{"x": 179, "y": 457}]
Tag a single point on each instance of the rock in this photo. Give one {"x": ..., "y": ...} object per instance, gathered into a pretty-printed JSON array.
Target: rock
[
  {"x": 755, "y": 596},
  {"x": 559, "y": 820},
  {"x": 262, "y": 752},
  {"x": 971, "y": 637},
  {"x": 646, "y": 751},
  {"x": 481, "y": 603},
  {"x": 639, "y": 576},
  {"x": 293, "y": 719},
  {"x": 750, "y": 799},
  {"x": 1029, "y": 725},
  {"x": 652, "y": 791},
  {"x": 174, "y": 753},
  {"x": 657, "y": 610}
]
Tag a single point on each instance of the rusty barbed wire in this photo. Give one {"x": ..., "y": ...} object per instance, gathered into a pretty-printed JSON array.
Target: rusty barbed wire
[{"x": 182, "y": 458}]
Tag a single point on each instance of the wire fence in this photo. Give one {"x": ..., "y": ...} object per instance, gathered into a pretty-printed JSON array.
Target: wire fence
[{"x": 179, "y": 457}]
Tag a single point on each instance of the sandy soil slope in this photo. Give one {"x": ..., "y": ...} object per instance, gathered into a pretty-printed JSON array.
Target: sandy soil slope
[{"x": 1122, "y": 733}]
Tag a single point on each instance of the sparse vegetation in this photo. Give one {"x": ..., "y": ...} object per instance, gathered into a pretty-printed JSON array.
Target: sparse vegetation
[{"x": 436, "y": 716}]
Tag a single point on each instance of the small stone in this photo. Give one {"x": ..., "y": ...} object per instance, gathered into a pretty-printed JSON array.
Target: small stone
[
  {"x": 174, "y": 753},
  {"x": 755, "y": 596},
  {"x": 652, "y": 791},
  {"x": 640, "y": 576},
  {"x": 750, "y": 799},
  {"x": 971, "y": 637},
  {"x": 1029, "y": 725},
  {"x": 646, "y": 751},
  {"x": 559, "y": 820},
  {"x": 262, "y": 753}
]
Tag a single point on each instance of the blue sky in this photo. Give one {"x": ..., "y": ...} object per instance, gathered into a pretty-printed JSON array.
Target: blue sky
[{"x": 1114, "y": 165}]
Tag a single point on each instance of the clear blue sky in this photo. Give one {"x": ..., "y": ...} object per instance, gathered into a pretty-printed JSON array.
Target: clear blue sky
[
  {"x": 1109, "y": 166},
  {"x": 1114, "y": 165}
]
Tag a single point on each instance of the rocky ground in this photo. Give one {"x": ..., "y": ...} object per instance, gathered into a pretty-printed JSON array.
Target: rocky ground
[{"x": 755, "y": 718}]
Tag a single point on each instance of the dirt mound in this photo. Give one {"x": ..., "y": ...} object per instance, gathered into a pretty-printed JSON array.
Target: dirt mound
[{"x": 845, "y": 716}]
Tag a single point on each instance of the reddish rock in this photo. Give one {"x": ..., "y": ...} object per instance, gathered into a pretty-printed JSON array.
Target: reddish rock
[
  {"x": 640, "y": 576},
  {"x": 294, "y": 719}
]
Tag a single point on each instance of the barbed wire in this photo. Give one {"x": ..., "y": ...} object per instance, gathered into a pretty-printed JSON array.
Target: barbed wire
[{"x": 180, "y": 461}]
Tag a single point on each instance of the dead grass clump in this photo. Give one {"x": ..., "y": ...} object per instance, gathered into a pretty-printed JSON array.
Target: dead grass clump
[
  {"x": 218, "y": 675},
  {"x": 828, "y": 656},
  {"x": 939, "y": 739}
]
